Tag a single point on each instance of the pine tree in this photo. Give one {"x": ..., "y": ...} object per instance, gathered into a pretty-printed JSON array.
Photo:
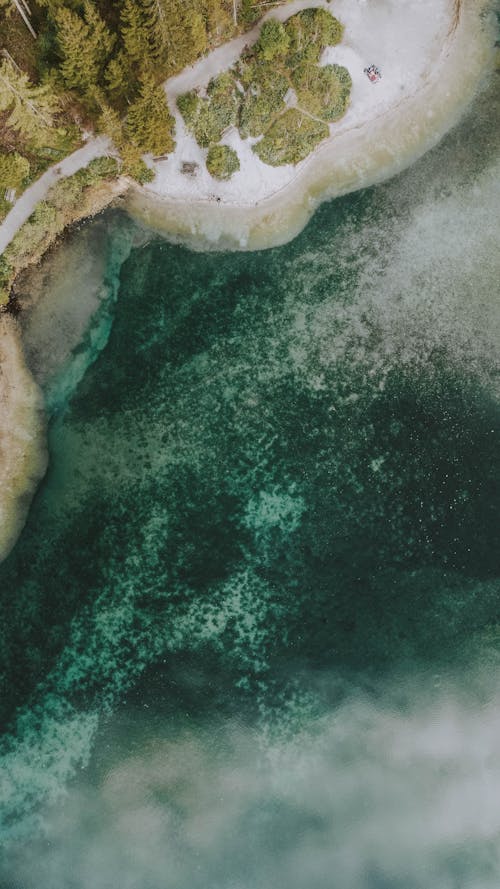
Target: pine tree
[
  {"x": 134, "y": 31},
  {"x": 102, "y": 39},
  {"x": 149, "y": 122},
  {"x": 197, "y": 34},
  {"x": 78, "y": 67},
  {"x": 109, "y": 123},
  {"x": 157, "y": 26},
  {"x": 187, "y": 36},
  {"x": 31, "y": 108},
  {"x": 117, "y": 76},
  {"x": 218, "y": 21},
  {"x": 85, "y": 45}
]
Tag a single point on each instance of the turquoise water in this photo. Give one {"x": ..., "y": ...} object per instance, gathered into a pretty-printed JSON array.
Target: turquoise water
[{"x": 255, "y": 606}]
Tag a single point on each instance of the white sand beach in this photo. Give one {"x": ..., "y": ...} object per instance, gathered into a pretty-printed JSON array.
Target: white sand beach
[
  {"x": 433, "y": 55},
  {"x": 404, "y": 38}
]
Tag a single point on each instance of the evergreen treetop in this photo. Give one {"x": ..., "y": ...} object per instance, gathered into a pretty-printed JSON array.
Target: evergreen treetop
[{"x": 31, "y": 108}]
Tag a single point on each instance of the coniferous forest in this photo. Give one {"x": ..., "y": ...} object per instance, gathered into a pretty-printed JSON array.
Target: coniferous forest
[{"x": 73, "y": 66}]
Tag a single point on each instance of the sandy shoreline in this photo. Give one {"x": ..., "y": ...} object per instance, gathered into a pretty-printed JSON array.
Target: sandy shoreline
[
  {"x": 23, "y": 450},
  {"x": 23, "y": 445},
  {"x": 359, "y": 156}
]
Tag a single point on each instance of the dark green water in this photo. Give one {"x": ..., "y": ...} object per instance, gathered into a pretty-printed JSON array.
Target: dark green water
[{"x": 268, "y": 538}]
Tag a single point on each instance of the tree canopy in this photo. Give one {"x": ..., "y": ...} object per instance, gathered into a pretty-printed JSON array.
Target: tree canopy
[
  {"x": 97, "y": 64},
  {"x": 30, "y": 108},
  {"x": 149, "y": 122}
]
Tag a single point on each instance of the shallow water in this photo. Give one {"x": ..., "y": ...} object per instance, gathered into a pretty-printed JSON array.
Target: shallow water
[{"x": 250, "y": 629}]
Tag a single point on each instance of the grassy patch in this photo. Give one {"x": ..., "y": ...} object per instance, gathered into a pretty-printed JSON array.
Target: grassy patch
[
  {"x": 290, "y": 139},
  {"x": 6, "y": 277},
  {"x": 222, "y": 161},
  {"x": 4, "y": 207},
  {"x": 40, "y": 228},
  {"x": 68, "y": 191}
]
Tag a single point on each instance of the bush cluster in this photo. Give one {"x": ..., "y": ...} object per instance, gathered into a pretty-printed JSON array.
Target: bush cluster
[
  {"x": 324, "y": 91},
  {"x": 222, "y": 161},
  {"x": 263, "y": 99},
  {"x": 290, "y": 138},
  {"x": 273, "y": 41},
  {"x": 309, "y": 33},
  {"x": 6, "y": 276},
  {"x": 14, "y": 169},
  {"x": 207, "y": 118},
  {"x": 252, "y": 93},
  {"x": 50, "y": 216}
]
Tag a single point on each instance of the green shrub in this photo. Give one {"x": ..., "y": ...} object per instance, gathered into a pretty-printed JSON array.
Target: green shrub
[
  {"x": 40, "y": 229},
  {"x": 207, "y": 118},
  {"x": 310, "y": 32},
  {"x": 248, "y": 12},
  {"x": 223, "y": 101},
  {"x": 290, "y": 139},
  {"x": 4, "y": 207},
  {"x": 257, "y": 114},
  {"x": 264, "y": 77},
  {"x": 6, "y": 278},
  {"x": 273, "y": 41},
  {"x": 142, "y": 173},
  {"x": 222, "y": 161},
  {"x": 188, "y": 104},
  {"x": 208, "y": 128},
  {"x": 101, "y": 168},
  {"x": 323, "y": 92},
  {"x": 6, "y": 272},
  {"x": 222, "y": 87},
  {"x": 133, "y": 164},
  {"x": 66, "y": 193},
  {"x": 14, "y": 169}
]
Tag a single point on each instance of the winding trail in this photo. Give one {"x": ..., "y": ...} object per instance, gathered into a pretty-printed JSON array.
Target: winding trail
[{"x": 24, "y": 206}]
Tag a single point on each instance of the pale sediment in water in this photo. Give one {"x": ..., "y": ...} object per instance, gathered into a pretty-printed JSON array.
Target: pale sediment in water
[
  {"x": 357, "y": 158},
  {"x": 67, "y": 305},
  {"x": 67, "y": 311},
  {"x": 23, "y": 453}
]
